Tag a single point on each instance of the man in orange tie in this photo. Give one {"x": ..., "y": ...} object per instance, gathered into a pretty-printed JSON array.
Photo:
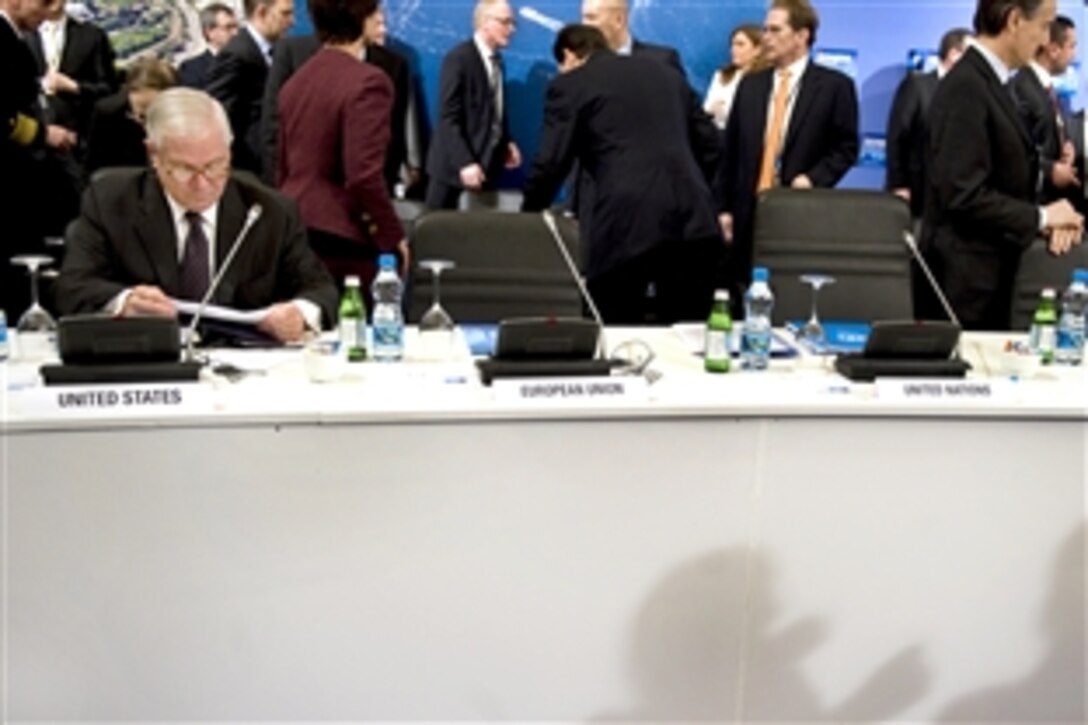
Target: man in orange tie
[{"x": 793, "y": 124}]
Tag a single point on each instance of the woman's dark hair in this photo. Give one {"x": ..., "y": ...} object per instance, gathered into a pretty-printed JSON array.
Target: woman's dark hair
[
  {"x": 340, "y": 21},
  {"x": 582, "y": 40},
  {"x": 992, "y": 15},
  {"x": 751, "y": 31}
]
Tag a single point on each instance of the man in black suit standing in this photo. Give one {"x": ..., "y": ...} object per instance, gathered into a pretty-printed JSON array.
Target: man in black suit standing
[
  {"x": 471, "y": 144},
  {"x": 1037, "y": 99},
  {"x": 291, "y": 53},
  {"x": 76, "y": 64},
  {"x": 906, "y": 133},
  {"x": 219, "y": 25},
  {"x": 612, "y": 18},
  {"x": 981, "y": 207},
  {"x": 239, "y": 72},
  {"x": 147, "y": 237},
  {"x": 23, "y": 130},
  {"x": 906, "y": 143},
  {"x": 631, "y": 124},
  {"x": 794, "y": 124}
]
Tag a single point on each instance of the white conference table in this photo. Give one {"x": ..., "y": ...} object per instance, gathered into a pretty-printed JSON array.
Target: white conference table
[{"x": 406, "y": 544}]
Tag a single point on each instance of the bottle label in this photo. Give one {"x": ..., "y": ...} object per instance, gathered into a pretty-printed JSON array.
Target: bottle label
[
  {"x": 717, "y": 345},
  {"x": 1046, "y": 337},
  {"x": 388, "y": 335},
  {"x": 349, "y": 334}
]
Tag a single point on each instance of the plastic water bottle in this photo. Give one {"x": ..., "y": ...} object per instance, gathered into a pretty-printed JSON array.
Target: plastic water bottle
[
  {"x": 387, "y": 324},
  {"x": 4, "y": 344},
  {"x": 755, "y": 342},
  {"x": 1070, "y": 346}
]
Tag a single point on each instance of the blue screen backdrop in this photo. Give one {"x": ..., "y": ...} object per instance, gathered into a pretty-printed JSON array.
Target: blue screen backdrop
[{"x": 872, "y": 38}]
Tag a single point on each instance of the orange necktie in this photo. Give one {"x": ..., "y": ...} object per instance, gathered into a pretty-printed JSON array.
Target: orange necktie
[{"x": 773, "y": 141}]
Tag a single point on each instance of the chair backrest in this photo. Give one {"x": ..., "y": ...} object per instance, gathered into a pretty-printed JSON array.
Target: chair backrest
[
  {"x": 854, "y": 236},
  {"x": 1039, "y": 269},
  {"x": 507, "y": 266}
]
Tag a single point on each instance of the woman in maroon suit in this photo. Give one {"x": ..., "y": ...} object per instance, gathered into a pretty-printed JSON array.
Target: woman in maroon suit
[{"x": 334, "y": 130}]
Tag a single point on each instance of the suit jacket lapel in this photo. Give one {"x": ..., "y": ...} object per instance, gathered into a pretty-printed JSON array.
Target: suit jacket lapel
[
  {"x": 34, "y": 42},
  {"x": 807, "y": 93},
  {"x": 232, "y": 213},
  {"x": 158, "y": 236},
  {"x": 1002, "y": 94}
]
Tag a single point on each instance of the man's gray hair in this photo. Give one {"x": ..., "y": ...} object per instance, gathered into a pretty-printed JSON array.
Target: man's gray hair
[{"x": 184, "y": 113}]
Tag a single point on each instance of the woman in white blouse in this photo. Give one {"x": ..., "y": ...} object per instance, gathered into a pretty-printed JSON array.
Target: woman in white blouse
[{"x": 744, "y": 51}]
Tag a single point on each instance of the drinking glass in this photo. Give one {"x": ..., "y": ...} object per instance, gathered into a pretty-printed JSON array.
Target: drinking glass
[
  {"x": 36, "y": 328},
  {"x": 813, "y": 332},
  {"x": 436, "y": 328}
]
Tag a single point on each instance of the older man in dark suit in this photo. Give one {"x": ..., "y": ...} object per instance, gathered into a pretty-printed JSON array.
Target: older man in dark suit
[
  {"x": 146, "y": 238},
  {"x": 239, "y": 72},
  {"x": 981, "y": 210},
  {"x": 794, "y": 124},
  {"x": 471, "y": 143},
  {"x": 631, "y": 124}
]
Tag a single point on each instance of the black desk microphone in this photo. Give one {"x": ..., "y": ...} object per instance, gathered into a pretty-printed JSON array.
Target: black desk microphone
[{"x": 252, "y": 216}]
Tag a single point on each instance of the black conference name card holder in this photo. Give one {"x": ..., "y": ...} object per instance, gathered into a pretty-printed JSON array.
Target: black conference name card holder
[
  {"x": 535, "y": 347},
  {"x": 103, "y": 349},
  {"x": 906, "y": 349}
]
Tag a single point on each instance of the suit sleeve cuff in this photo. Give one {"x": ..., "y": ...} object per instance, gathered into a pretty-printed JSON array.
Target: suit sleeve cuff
[{"x": 311, "y": 314}]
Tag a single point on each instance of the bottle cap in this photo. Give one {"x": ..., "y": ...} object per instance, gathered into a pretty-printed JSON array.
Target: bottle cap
[
  {"x": 721, "y": 295},
  {"x": 1048, "y": 293},
  {"x": 760, "y": 274},
  {"x": 387, "y": 261},
  {"x": 1080, "y": 275},
  {"x": 351, "y": 281}
]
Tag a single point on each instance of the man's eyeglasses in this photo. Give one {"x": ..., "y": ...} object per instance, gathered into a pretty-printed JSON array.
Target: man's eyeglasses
[
  {"x": 184, "y": 174},
  {"x": 505, "y": 22}
]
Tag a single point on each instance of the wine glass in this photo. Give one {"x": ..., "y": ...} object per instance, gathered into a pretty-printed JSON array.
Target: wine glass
[
  {"x": 436, "y": 328},
  {"x": 36, "y": 327},
  {"x": 813, "y": 332}
]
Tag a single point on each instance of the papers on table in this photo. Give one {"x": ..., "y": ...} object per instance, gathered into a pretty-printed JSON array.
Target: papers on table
[{"x": 223, "y": 314}]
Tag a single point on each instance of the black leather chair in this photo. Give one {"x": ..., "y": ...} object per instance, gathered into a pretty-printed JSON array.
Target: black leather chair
[
  {"x": 855, "y": 236},
  {"x": 1039, "y": 269},
  {"x": 508, "y": 265}
]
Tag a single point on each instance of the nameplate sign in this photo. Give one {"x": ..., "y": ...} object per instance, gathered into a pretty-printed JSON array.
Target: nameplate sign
[
  {"x": 594, "y": 391},
  {"x": 113, "y": 401},
  {"x": 943, "y": 390}
]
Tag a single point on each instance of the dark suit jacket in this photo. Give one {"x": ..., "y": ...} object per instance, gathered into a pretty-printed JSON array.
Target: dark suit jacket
[
  {"x": 1041, "y": 120},
  {"x": 114, "y": 138},
  {"x": 630, "y": 123},
  {"x": 662, "y": 53},
  {"x": 236, "y": 80},
  {"x": 980, "y": 210},
  {"x": 195, "y": 72},
  {"x": 1076, "y": 135},
  {"x": 18, "y": 204},
  {"x": 820, "y": 142},
  {"x": 291, "y": 54},
  {"x": 334, "y": 129},
  {"x": 88, "y": 59},
  {"x": 582, "y": 201},
  {"x": 125, "y": 236},
  {"x": 466, "y": 111},
  {"x": 906, "y": 137}
]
